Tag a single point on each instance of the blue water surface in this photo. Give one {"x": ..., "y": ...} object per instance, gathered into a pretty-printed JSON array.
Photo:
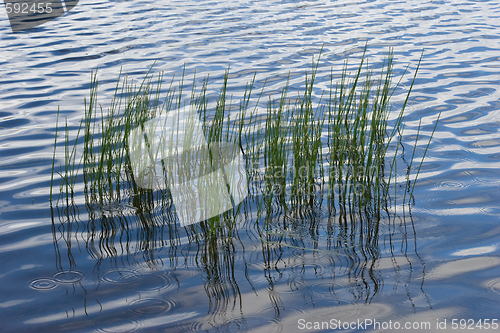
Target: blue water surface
[{"x": 61, "y": 272}]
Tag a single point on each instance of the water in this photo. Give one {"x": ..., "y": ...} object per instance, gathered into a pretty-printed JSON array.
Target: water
[{"x": 442, "y": 263}]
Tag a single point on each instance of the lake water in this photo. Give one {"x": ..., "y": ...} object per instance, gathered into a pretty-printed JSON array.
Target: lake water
[{"x": 60, "y": 271}]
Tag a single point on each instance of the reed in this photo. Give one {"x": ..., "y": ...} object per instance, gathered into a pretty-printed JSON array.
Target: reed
[
  {"x": 68, "y": 171},
  {"x": 300, "y": 153}
]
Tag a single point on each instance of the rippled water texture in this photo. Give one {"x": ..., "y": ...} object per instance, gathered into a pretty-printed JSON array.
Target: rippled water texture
[{"x": 442, "y": 263}]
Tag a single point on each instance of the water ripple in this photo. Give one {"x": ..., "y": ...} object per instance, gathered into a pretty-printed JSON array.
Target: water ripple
[
  {"x": 117, "y": 324},
  {"x": 43, "y": 284},
  {"x": 120, "y": 276},
  {"x": 68, "y": 277},
  {"x": 493, "y": 285},
  {"x": 151, "y": 306}
]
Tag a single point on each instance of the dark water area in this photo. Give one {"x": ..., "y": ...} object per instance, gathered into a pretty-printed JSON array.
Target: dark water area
[{"x": 117, "y": 269}]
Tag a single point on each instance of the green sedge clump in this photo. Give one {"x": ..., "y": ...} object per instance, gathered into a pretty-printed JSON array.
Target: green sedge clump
[{"x": 300, "y": 152}]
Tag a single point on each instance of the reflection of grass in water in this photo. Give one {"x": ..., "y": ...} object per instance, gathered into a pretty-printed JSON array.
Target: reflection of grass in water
[{"x": 288, "y": 143}]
